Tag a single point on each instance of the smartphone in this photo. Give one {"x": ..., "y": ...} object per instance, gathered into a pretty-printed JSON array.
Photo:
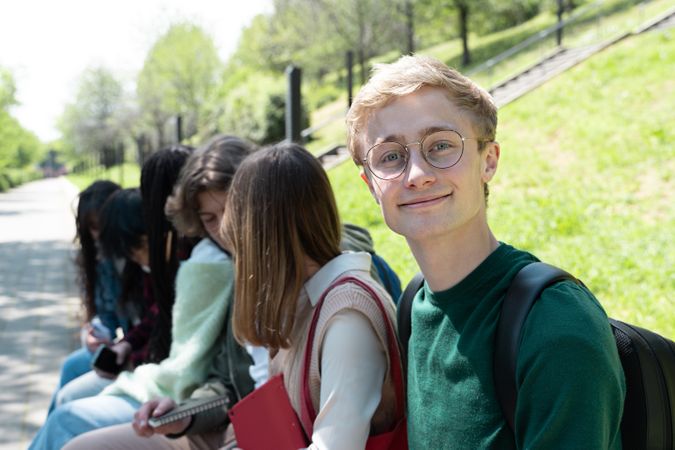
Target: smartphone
[
  {"x": 100, "y": 331},
  {"x": 106, "y": 360}
]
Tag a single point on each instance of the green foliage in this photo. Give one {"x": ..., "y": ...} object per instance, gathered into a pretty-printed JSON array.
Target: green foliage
[
  {"x": 263, "y": 46},
  {"x": 255, "y": 109},
  {"x": 320, "y": 94},
  {"x": 585, "y": 180},
  {"x": 499, "y": 15},
  {"x": 180, "y": 76},
  {"x": 316, "y": 34},
  {"x": 95, "y": 123},
  {"x": 7, "y": 89},
  {"x": 10, "y": 177},
  {"x": 18, "y": 146}
]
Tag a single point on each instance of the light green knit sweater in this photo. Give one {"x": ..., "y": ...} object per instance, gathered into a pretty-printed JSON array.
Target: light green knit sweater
[{"x": 203, "y": 291}]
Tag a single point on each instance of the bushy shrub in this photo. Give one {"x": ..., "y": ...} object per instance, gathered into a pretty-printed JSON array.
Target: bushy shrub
[
  {"x": 4, "y": 182},
  {"x": 499, "y": 15},
  {"x": 255, "y": 109},
  {"x": 321, "y": 94}
]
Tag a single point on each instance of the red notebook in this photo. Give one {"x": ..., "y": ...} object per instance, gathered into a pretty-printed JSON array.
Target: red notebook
[{"x": 265, "y": 419}]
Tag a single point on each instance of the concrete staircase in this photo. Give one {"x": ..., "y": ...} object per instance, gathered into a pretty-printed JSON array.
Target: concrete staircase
[
  {"x": 333, "y": 156},
  {"x": 562, "y": 60},
  {"x": 537, "y": 74}
]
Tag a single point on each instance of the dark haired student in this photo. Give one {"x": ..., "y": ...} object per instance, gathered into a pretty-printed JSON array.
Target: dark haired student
[
  {"x": 158, "y": 253},
  {"x": 99, "y": 282},
  {"x": 204, "y": 289},
  {"x": 122, "y": 237}
]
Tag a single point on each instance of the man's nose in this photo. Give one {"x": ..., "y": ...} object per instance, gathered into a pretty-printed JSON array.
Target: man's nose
[{"x": 419, "y": 171}]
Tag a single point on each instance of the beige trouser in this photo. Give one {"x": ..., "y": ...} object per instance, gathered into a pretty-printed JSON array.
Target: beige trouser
[{"x": 123, "y": 437}]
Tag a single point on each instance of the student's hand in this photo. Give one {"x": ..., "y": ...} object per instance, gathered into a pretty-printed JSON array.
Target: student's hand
[
  {"x": 156, "y": 408},
  {"x": 123, "y": 349},
  {"x": 104, "y": 374},
  {"x": 91, "y": 341}
]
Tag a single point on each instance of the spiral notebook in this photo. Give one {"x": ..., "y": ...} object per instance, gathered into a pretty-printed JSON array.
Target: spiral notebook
[
  {"x": 265, "y": 419},
  {"x": 189, "y": 408}
]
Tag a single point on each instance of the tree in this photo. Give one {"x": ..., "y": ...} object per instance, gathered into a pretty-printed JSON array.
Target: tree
[
  {"x": 7, "y": 89},
  {"x": 92, "y": 125},
  {"x": 18, "y": 146},
  {"x": 255, "y": 109},
  {"x": 325, "y": 29},
  {"x": 179, "y": 77}
]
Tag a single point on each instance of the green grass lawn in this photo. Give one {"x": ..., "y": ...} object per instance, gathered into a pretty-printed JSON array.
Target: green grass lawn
[
  {"x": 128, "y": 175},
  {"x": 586, "y": 180}
]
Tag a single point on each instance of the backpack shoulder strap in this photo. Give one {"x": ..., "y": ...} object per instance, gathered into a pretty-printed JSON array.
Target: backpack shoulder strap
[
  {"x": 390, "y": 279},
  {"x": 524, "y": 290},
  {"x": 403, "y": 313}
]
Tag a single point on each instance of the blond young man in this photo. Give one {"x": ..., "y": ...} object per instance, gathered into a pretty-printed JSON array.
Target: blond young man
[{"x": 425, "y": 137}]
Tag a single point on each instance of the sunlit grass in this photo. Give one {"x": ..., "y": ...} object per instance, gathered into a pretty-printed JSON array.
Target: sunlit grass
[
  {"x": 127, "y": 175},
  {"x": 614, "y": 17},
  {"x": 586, "y": 180}
]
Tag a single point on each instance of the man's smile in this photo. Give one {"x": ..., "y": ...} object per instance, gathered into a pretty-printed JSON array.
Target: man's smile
[{"x": 425, "y": 201}]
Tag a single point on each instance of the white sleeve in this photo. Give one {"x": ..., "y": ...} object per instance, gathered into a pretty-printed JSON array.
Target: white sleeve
[
  {"x": 353, "y": 366},
  {"x": 259, "y": 371}
]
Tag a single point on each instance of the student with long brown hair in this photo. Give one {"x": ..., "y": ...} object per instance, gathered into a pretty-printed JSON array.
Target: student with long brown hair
[{"x": 284, "y": 229}]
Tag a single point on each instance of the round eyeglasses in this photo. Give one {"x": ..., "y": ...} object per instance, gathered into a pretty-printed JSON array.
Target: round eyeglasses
[{"x": 441, "y": 149}]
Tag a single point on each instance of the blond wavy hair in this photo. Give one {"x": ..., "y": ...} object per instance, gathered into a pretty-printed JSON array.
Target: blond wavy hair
[{"x": 407, "y": 75}]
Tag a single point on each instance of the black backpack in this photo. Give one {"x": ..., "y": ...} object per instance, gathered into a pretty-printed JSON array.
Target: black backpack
[{"x": 648, "y": 360}]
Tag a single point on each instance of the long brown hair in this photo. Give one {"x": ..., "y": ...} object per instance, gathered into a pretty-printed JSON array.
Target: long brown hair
[{"x": 281, "y": 211}]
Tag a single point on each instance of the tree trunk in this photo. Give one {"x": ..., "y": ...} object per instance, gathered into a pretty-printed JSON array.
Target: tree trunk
[
  {"x": 159, "y": 127},
  {"x": 409, "y": 13},
  {"x": 463, "y": 15},
  {"x": 362, "y": 64}
]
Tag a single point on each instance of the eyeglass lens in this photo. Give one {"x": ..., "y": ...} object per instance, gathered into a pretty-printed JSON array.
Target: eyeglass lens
[{"x": 441, "y": 149}]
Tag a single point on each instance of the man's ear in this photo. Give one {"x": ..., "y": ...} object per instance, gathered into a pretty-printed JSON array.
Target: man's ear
[
  {"x": 368, "y": 181},
  {"x": 490, "y": 160}
]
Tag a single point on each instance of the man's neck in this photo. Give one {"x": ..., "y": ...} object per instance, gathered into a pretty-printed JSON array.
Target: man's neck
[{"x": 448, "y": 260}]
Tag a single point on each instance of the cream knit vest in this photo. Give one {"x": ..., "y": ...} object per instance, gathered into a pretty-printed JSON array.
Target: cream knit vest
[{"x": 290, "y": 361}]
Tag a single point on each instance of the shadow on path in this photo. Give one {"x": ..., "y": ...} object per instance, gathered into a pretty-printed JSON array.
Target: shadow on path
[{"x": 38, "y": 327}]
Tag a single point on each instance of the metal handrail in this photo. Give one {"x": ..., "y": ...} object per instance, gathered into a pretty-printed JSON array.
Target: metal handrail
[
  {"x": 533, "y": 39},
  {"x": 310, "y": 130}
]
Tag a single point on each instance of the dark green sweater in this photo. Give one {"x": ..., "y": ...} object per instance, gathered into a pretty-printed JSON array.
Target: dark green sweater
[{"x": 571, "y": 385}]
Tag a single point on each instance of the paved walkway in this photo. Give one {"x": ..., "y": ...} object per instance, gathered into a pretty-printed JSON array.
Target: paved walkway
[{"x": 38, "y": 302}]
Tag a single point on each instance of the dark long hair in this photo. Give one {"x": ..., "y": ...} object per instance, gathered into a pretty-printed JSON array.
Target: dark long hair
[
  {"x": 158, "y": 177},
  {"x": 122, "y": 224},
  {"x": 87, "y": 217},
  {"x": 122, "y": 230}
]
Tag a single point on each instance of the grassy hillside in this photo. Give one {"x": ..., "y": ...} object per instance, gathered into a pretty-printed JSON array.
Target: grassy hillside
[
  {"x": 586, "y": 180},
  {"x": 593, "y": 23}
]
